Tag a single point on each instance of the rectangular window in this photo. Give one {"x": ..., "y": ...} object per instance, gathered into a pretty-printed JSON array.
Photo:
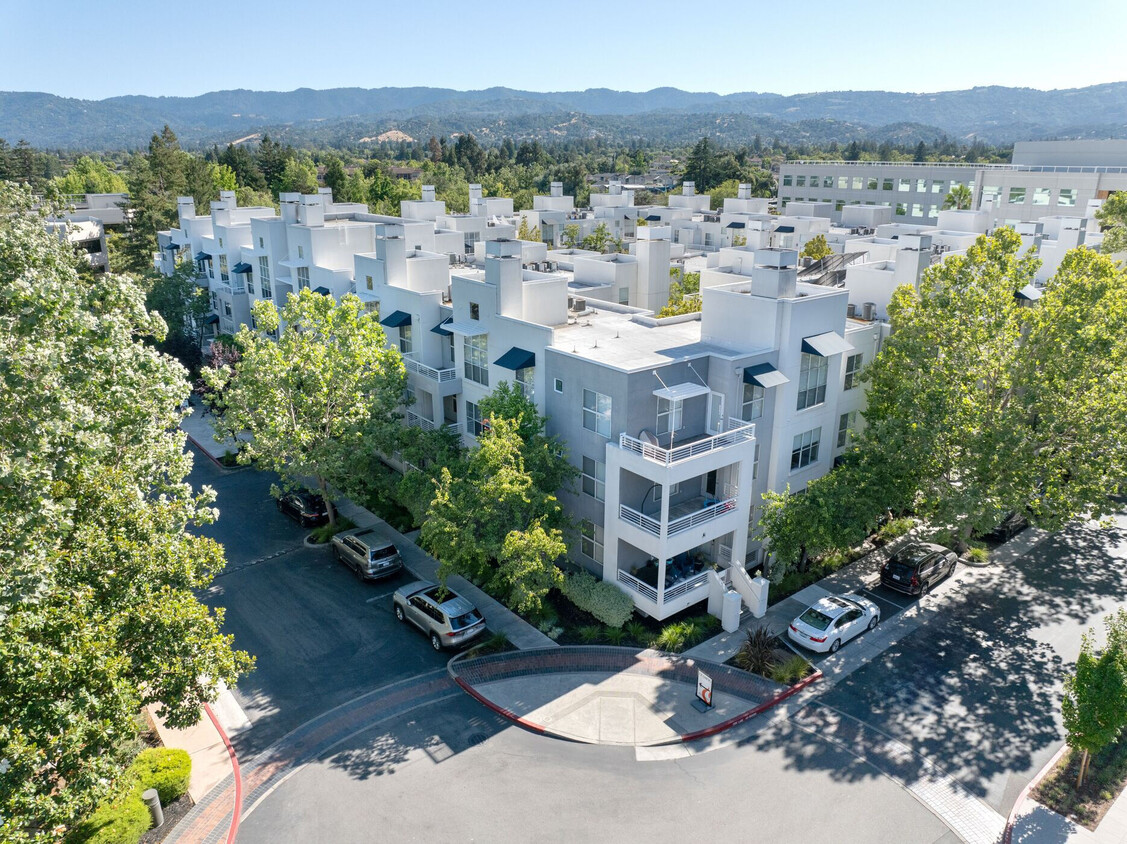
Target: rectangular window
[
  {"x": 405, "y": 339},
  {"x": 804, "y": 450},
  {"x": 267, "y": 290},
  {"x": 800, "y": 182},
  {"x": 858, "y": 182},
  {"x": 477, "y": 353},
  {"x": 303, "y": 278},
  {"x": 475, "y": 311},
  {"x": 223, "y": 275},
  {"x": 886, "y": 184},
  {"x": 1017, "y": 196},
  {"x": 843, "y": 183},
  {"x": 1041, "y": 196},
  {"x": 669, "y": 415},
  {"x": 939, "y": 187},
  {"x": 624, "y": 295},
  {"x": 591, "y": 540},
  {"x": 917, "y": 209},
  {"x": 263, "y": 270},
  {"x": 753, "y": 402},
  {"x": 220, "y": 243},
  {"x": 250, "y": 284},
  {"x": 812, "y": 380},
  {"x": 755, "y": 464},
  {"x": 845, "y": 425},
  {"x": 839, "y": 205},
  {"x": 872, "y": 183},
  {"x": 473, "y": 419},
  {"x": 215, "y": 301},
  {"x": 787, "y": 181},
  {"x": 990, "y": 192},
  {"x": 827, "y": 181},
  {"x": 594, "y": 479},
  {"x": 558, "y": 385},
  {"x": 525, "y": 377},
  {"x": 227, "y": 308},
  {"x": 596, "y": 413},
  {"x": 905, "y": 185},
  {"x": 368, "y": 282},
  {"x": 853, "y": 371},
  {"x": 1066, "y": 197},
  {"x": 261, "y": 243},
  {"x": 300, "y": 252},
  {"x": 921, "y": 185},
  {"x": 901, "y": 209}
]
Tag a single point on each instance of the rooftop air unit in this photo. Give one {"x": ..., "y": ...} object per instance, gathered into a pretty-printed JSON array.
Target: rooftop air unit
[{"x": 869, "y": 311}]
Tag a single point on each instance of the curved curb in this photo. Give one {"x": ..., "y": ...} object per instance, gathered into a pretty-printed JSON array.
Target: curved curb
[
  {"x": 237, "y": 810},
  {"x": 205, "y": 452},
  {"x": 1007, "y": 836},
  {"x": 715, "y": 729}
]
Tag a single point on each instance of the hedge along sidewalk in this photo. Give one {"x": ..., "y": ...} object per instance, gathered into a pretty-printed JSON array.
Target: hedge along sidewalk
[{"x": 498, "y": 617}]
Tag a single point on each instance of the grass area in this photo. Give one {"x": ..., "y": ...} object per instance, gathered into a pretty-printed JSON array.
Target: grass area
[
  {"x": 1107, "y": 775},
  {"x": 321, "y": 535}
]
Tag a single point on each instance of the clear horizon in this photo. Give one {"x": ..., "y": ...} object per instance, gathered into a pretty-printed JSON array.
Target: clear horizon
[{"x": 728, "y": 48}]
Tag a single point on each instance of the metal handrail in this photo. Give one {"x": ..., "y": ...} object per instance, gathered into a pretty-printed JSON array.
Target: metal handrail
[
  {"x": 438, "y": 375},
  {"x": 642, "y": 588},
  {"x": 685, "y": 586},
  {"x": 640, "y": 520},
  {"x": 701, "y": 516},
  {"x": 738, "y": 431}
]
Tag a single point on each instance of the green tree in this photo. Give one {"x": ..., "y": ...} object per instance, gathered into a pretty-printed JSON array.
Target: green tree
[
  {"x": 1113, "y": 220},
  {"x": 959, "y": 198},
  {"x": 1094, "y": 704},
  {"x": 570, "y": 235},
  {"x": 817, "y": 248},
  {"x": 298, "y": 177},
  {"x": 544, "y": 456},
  {"x": 223, "y": 177},
  {"x": 98, "y": 572},
  {"x": 599, "y": 240},
  {"x": 182, "y": 304},
  {"x": 700, "y": 167},
  {"x": 88, "y": 175},
  {"x": 310, "y": 400},
  {"x": 335, "y": 177}
]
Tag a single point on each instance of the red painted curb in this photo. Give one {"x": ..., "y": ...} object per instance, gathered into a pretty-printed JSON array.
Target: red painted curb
[
  {"x": 500, "y": 710},
  {"x": 207, "y": 453},
  {"x": 751, "y": 713},
  {"x": 233, "y": 832},
  {"x": 1007, "y": 836}
]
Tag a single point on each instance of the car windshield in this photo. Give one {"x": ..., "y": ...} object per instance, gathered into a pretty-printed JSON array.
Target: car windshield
[
  {"x": 470, "y": 618},
  {"x": 816, "y": 619}
]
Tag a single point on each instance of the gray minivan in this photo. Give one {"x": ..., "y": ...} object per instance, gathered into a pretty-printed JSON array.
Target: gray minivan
[{"x": 367, "y": 552}]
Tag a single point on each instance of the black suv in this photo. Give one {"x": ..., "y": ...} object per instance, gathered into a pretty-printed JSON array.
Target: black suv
[
  {"x": 306, "y": 508},
  {"x": 915, "y": 568}
]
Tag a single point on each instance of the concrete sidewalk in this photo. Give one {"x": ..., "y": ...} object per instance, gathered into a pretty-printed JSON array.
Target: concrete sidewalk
[{"x": 211, "y": 763}]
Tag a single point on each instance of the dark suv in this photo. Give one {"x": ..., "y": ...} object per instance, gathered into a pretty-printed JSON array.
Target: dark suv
[
  {"x": 306, "y": 508},
  {"x": 915, "y": 568}
]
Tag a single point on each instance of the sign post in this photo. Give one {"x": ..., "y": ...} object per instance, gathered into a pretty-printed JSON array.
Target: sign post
[{"x": 703, "y": 703}]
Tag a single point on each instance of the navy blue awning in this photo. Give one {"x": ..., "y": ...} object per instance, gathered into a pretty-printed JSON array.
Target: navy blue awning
[
  {"x": 397, "y": 319},
  {"x": 442, "y": 329},
  {"x": 202, "y": 256},
  {"x": 516, "y": 358},
  {"x": 653, "y": 218},
  {"x": 764, "y": 375},
  {"x": 785, "y": 229},
  {"x": 242, "y": 267},
  {"x": 211, "y": 319},
  {"x": 324, "y": 291},
  {"x": 171, "y": 245},
  {"x": 734, "y": 226}
]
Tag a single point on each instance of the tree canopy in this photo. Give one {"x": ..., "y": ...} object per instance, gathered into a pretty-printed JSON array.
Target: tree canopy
[
  {"x": 98, "y": 573},
  {"x": 1113, "y": 218},
  {"x": 1094, "y": 704}
]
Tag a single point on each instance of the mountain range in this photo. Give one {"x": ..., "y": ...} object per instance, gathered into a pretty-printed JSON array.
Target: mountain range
[{"x": 343, "y": 116}]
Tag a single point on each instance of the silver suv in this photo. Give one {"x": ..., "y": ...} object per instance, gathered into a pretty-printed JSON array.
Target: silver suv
[
  {"x": 367, "y": 553},
  {"x": 446, "y": 617}
]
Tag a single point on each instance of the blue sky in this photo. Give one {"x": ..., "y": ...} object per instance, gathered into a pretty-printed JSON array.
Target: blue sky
[{"x": 139, "y": 47}]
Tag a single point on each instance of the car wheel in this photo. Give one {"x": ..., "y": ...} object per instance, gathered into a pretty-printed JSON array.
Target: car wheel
[
  {"x": 435, "y": 642},
  {"x": 875, "y": 621},
  {"x": 954, "y": 565},
  {"x": 399, "y": 613},
  {"x": 359, "y": 574},
  {"x": 835, "y": 646}
]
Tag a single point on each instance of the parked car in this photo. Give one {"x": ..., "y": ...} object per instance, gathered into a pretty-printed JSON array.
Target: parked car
[
  {"x": 306, "y": 508},
  {"x": 917, "y": 567},
  {"x": 367, "y": 552},
  {"x": 833, "y": 621},
  {"x": 448, "y": 619}
]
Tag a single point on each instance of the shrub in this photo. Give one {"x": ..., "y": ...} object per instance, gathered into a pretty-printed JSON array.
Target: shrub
[
  {"x": 590, "y": 634},
  {"x": 167, "y": 769},
  {"x": 833, "y": 560},
  {"x": 978, "y": 554},
  {"x": 496, "y": 643},
  {"x": 671, "y": 638},
  {"x": 791, "y": 671},
  {"x": 604, "y": 601},
  {"x": 895, "y": 528},
  {"x": 324, "y": 533},
  {"x": 614, "y": 635},
  {"x": 757, "y": 653},
  {"x": 123, "y": 820},
  {"x": 638, "y": 632}
]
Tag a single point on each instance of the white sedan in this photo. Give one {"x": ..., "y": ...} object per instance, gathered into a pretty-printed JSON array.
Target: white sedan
[{"x": 833, "y": 621}]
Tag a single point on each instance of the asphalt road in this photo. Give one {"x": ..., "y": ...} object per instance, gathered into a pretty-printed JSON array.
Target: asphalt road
[
  {"x": 976, "y": 688},
  {"x": 320, "y": 636},
  {"x": 455, "y": 772}
]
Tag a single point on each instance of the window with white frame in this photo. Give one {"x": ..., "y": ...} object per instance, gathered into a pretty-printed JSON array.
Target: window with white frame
[
  {"x": 752, "y": 407},
  {"x": 755, "y": 464},
  {"x": 591, "y": 540},
  {"x": 853, "y": 371},
  {"x": 812, "y": 380},
  {"x": 473, "y": 419},
  {"x": 804, "y": 449},
  {"x": 223, "y": 274},
  {"x": 250, "y": 284},
  {"x": 261, "y": 243},
  {"x": 525, "y": 377},
  {"x": 405, "y": 339},
  {"x": 368, "y": 282},
  {"x": 215, "y": 301},
  {"x": 1066, "y": 197},
  {"x": 670, "y": 415},
  {"x": 477, "y": 365},
  {"x": 210, "y": 268},
  {"x": 845, "y": 427},
  {"x": 303, "y": 278},
  {"x": 263, "y": 268},
  {"x": 475, "y": 310},
  {"x": 596, "y": 413},
  {"x": 300, "y": 252},
  {"x": 558, "y": 385},
  {"x": 594, "y": 478},
  {"x": 227, "y": 308}
]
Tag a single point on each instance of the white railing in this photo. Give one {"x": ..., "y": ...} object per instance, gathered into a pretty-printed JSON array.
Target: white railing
[
  {"x": 420, "y": 421},
  {"x": 641, "y": 520},
  {"x": 725, "y": 555},
  {"x": 738, "y": 431},
  {"x": 643, "y": 589},
  {"x": 701, "y": 516},
  {"x": 437, "y": 375},
  {"x": 678, "y": 589},
  {"x": 962, "y": 165}
]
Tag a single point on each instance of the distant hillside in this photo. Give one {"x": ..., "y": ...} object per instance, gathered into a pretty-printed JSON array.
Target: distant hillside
[{"x": 994, "y": 114}]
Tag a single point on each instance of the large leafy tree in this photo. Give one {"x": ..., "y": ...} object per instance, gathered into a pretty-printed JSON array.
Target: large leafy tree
[
  {"x": 1113, "y": 218},
  {"x": 327, "y": 387},
  {"x": 182, "y": 304},
  {"x": 1094, "y": 704},
  {"x": 983, "y": 402},
  {"x": 98, "y": 574},
  {"x": 89, "y": 175}
]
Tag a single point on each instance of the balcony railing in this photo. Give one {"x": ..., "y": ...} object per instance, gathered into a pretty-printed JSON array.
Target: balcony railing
[
  {"x": 737, "y": 431},
  {"x": 679, "y": 525},
  {"x": 641, "y": 520},
  {"x": 643, "y": 589},
  {"x": 439, "y": 376},
  {"x": 426, "y": 424},
  {"x": 685, "y": 586}
]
